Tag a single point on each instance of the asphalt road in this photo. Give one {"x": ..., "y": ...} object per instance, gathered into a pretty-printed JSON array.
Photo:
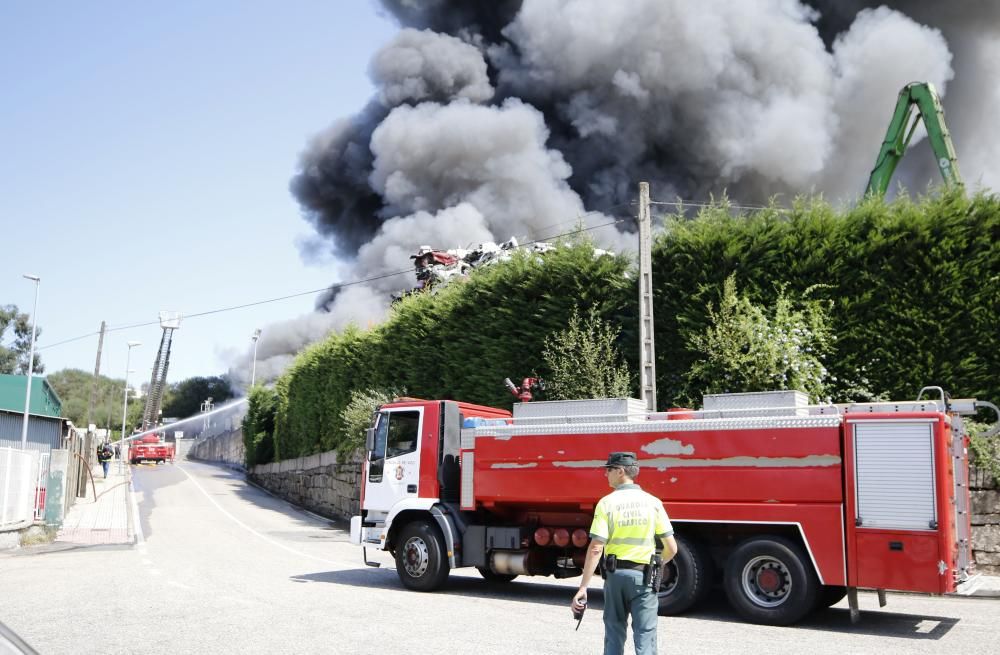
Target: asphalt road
[{"x": 226, "y": 568}]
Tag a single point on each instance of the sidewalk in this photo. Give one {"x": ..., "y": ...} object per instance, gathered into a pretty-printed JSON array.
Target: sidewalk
[
  {"x": 984, "y": 586},
  {"x": 106, "y": 519}
]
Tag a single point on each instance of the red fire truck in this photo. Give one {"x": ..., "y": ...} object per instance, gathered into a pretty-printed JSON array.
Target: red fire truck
[
  {"x": 789, "y": 506},
  {"x": 150, "y": 449}
]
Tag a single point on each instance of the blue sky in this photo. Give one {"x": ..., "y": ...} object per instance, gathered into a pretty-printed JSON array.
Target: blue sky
[{"x": 146, "y": 154}]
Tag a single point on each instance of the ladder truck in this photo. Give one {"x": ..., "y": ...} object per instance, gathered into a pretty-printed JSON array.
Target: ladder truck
[
  {"x": 150, "y": 446},
  {"x": 789, "y": 506},
  {"x": 169, "y": 321}
]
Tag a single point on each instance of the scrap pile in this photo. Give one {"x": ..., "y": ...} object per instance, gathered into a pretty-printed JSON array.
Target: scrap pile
[{"x": 438, "y": 267}]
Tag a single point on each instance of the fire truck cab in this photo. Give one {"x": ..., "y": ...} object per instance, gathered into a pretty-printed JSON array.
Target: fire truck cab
[{"x": 789, "y": 506}]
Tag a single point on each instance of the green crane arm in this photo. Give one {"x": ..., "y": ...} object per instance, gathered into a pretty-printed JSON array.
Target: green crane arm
[{"x": 922, "y": 96}]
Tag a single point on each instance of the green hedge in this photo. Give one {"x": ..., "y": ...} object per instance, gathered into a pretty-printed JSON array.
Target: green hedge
[{"x": 914, "y": 285}]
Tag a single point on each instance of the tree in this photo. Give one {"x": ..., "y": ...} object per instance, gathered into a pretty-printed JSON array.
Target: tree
[
  {"x": 357, "y": 415},
  {"x": 746, "y": 348},
  {"x": 184, "y": 398},
  {"x": 584, "y": 361},
  {"x": 14, "y": 357},
  {"x": 73, "y": 387}
]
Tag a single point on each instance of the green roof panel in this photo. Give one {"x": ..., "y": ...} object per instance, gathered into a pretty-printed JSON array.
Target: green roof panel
[{"x": 44, "y": 400}]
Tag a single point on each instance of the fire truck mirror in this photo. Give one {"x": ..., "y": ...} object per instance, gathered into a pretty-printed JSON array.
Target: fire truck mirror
[{"x": 370, "y": 439}]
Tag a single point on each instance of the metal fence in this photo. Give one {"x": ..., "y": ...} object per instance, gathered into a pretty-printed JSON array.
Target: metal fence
[{"x": 18, "y": 480}]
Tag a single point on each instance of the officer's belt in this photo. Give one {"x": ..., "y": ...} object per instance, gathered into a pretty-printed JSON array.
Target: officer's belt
[{"x": 634, "y": 566}]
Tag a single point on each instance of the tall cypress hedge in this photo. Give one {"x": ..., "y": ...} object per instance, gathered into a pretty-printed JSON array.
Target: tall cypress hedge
[{"x": 915, "y": 286}]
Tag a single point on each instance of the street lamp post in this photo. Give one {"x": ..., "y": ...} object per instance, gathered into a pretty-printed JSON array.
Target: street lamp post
[
  {"x": 31, "y": 362},
  {"x": 128, "y": 357},
  {"x": 253, "y": 367}
]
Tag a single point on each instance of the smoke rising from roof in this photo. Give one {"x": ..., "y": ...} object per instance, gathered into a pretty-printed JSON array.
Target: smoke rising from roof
[{"x": 505, "y": 118}]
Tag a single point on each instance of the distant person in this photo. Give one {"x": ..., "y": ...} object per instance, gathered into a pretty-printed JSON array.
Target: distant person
[
  {"x": 104, "y": 455},
  {"x": 118, "y": 451}
]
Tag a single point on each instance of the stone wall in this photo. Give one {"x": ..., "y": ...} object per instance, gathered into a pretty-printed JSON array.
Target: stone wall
[
  {"x": 321, "y": 483},
  {"x": 985, "y": 522},
  {"x": 225, "y": 448}
]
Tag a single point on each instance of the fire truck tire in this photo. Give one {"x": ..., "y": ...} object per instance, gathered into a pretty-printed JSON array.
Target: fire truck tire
[
  {"x": 420, "y": 557},
  {"x": 490, "y": 576},
  {"x": 830, "y": 595},
  {"x": 687, "y": 578},
  {"x": 769, "y": 580}
]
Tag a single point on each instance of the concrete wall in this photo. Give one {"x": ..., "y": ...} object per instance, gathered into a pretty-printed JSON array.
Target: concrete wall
[
  {"x": 985, "y": 522},
  {"x": 226, "y": 448},
  {"x": 321, "y": 483}
]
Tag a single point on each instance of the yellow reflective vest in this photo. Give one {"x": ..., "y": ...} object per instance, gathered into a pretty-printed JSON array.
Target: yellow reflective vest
[{"x": 628, "y": 520}]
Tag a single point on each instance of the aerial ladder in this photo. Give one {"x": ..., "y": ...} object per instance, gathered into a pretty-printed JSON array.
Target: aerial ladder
[
  {"x": 169, "y": 321},
  {"x": 922, "y": 98}
]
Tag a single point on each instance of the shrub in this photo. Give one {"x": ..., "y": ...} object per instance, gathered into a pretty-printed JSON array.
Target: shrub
[
  {"x": 356, "y": 416},
  {"x": 984, "y": 451},
  {"x": 584, "y": 361},
  {"x": 258, "y": 426}
]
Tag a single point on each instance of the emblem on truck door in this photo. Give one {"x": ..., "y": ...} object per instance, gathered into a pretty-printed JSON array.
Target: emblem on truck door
[{"x": 399, "y": 472}]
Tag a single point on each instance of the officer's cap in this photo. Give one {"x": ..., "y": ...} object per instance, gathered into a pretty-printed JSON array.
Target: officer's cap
[{"x": 621, "y": 459}]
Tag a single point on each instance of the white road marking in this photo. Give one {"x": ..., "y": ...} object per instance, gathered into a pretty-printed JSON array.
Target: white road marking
[
  {"x": 251, "y": 530},
  {"x": 140, "y": 539}
]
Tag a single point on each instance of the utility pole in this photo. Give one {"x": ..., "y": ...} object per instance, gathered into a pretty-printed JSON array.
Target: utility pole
[
  {"x": 647, "y": 341},
  {"x": 97, "y": 374},
  {"x": 31, "y": 361}
]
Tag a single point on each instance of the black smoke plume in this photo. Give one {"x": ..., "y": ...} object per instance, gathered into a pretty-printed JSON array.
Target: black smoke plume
[{"x": 511, "y": 118}]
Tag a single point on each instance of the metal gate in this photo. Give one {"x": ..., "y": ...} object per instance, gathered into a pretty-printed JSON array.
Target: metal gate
[{"x": 18, "y": 475}]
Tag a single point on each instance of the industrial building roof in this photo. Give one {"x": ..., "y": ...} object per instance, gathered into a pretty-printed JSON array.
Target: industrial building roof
[{"x": 44, "y": 399}]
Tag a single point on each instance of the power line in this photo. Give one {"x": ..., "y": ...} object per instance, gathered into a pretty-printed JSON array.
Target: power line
[
  {"x": 303, "y": 293},
  {"x": 692, "y": 203}
]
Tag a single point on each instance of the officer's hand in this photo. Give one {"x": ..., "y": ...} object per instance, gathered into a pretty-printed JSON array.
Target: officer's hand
[{"x": 580, "y": 599}]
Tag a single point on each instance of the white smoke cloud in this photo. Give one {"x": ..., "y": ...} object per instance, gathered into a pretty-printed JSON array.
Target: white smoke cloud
[
  {"x": 360, "y": 305},
  {"x": 390, "y": 250},
  {"x": 433, "y": 156},
  {"x": 421, "y": 65},
  {"x": 882, "y": 52}
]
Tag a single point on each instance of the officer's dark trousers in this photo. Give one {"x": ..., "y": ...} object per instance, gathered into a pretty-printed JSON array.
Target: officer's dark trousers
[{"x": 625, "y": 594}]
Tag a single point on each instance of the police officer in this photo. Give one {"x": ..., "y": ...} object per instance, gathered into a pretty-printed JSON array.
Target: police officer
[{"x": 628, "y": 525}]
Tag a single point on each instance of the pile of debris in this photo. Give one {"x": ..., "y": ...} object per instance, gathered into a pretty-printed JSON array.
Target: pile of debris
[{"x": 435, "y": 268}]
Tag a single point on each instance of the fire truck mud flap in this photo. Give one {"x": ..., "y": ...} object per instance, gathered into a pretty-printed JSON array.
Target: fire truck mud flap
[{"x": 447, "y": 526}]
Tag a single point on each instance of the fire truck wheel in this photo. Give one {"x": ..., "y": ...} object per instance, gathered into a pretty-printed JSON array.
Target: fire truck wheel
[
  {"x": 687, "y": 578},
  {"x": 420, "y": 557},
  {"x": 490, "y": 576},
  {"x": 770, "y": 580}
]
